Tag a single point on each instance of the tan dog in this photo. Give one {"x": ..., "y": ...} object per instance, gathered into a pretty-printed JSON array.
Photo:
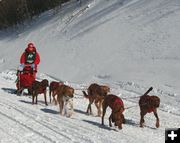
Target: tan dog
[
  {"x": 38, "y": 88},
  {"x": 117, "y": 106},
  {"x": 65, "y": 97},
  {"x": 149, "y": 104},
  {"x": 96, "y": 93},
  {"x": 53, "y": 90}
]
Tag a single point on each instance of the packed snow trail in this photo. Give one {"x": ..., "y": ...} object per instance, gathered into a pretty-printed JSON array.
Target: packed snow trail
[{"x": 23, "y": 122}]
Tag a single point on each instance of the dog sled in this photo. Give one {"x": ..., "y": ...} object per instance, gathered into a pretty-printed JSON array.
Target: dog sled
[{"x": 25, "y": 79}]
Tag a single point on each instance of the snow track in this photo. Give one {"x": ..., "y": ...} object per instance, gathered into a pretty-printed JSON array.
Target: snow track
[{"x": 23, "y": 122}]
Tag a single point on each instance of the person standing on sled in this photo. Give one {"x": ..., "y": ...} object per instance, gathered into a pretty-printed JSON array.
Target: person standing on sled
[
  {"x": 30, "y": 57},
  {"x": 28, "y": 68}
]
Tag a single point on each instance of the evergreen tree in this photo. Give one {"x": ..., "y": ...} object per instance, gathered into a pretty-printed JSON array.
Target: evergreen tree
[{"x": 13, "y": 12}]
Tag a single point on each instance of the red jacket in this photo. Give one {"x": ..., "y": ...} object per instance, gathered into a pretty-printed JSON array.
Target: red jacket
[{"x": 36, "y": 61}]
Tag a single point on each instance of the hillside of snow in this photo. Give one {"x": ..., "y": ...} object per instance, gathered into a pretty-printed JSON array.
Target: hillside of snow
[{"x": 128, "y": 44}]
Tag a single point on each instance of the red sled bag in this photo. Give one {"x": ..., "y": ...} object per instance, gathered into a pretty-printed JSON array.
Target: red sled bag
[{"x": 25, "y": 79}]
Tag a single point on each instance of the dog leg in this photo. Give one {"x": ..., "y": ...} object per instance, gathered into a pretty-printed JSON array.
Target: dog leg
[
  {"x": 71, "y": 107},
  {"x": 19, "y": 91},
  {"x": 120, "y": 126},
  {"x": 60, "y": 100},
  {"x": 123, "y": 119},
  {"x": 91, "y": 100},
  {"x": 89, "y": 105},
  {"x": 104, "y": 112},
  {"x": 110, "y": 120},
  {"x": 157, "y": 118},
  {"x": 33, "y": 98},
  {"x": 89, "y": 109},
  {"x": 54, "y": 99},
  {"x": 29, "y": 91},
  {"x": 50, "y": 95},
  {"x": 65, "y": 108},
  {"x": 142, "y": 119},
  {"x": 66, "y": 103},
  {"x": 61, "y": 107},
  {"x": 68, "y": 107},
  {"x": 36, "y": 98},
  {"x": 45, "y": 98},
  {"x": 98, "y": 108}
]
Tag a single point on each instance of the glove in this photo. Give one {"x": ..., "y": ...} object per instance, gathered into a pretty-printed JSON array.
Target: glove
[
  {"x": 33, "y": 66},
  {"x": 21, "y": 67}
]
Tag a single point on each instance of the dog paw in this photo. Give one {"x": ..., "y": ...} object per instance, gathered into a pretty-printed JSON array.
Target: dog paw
[
  {"x": 68, "y": 116},
  {"x": 120, "y": 128},
  {"x": 98, "y": 116},
  {"x": 157, "y": 125},
  {"x": 141, "y": 126},
  {"x": 124, "y": 121}
]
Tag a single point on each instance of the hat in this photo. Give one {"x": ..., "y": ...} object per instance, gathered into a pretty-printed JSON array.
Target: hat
[{"x": 30, "y": 48}]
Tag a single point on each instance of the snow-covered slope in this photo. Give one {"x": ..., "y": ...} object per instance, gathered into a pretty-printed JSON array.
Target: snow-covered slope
[
  {"x": 124, "y": 40},
  {"x": 128, "y": 44}
]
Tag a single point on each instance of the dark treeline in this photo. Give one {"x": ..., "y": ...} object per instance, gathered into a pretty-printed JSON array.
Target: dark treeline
[{"x": 13, "y": 12}]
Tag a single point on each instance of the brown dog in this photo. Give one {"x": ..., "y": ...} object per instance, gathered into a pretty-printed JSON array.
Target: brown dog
[
  {"x": 65, "y": 96},
  {"x": 117, "y": 106},
  {"x": 96, "y": 93},
  {"x": 149, "y": 104},
  {"x": 38, "y": 88},
  {"x": 53, "y": 90}
]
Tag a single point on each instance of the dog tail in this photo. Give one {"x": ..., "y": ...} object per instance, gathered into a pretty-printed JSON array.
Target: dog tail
[
  {"x": 85, "y": 94},
  {"x": 151, "y": 88}
]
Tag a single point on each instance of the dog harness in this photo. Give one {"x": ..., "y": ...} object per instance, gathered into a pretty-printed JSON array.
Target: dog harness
[
  {"x": 118, "y": 101},
  {"x": 150, "y": 110}
]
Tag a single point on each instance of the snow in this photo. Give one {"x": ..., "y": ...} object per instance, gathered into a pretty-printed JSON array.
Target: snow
[{"x": 129, "y": 45}]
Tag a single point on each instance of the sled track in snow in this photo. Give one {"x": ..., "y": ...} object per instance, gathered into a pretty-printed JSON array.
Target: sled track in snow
[
  {"x": 27, "y": 127},
  {"x": 47, "y": 125},
  {"x": 52, "y": 127},
  {"x": 78, "y": 128},
  {"x": 72, "y": 126},
  {"x": 67, "y": 125},
  {"x": 9, "y": 135}
]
